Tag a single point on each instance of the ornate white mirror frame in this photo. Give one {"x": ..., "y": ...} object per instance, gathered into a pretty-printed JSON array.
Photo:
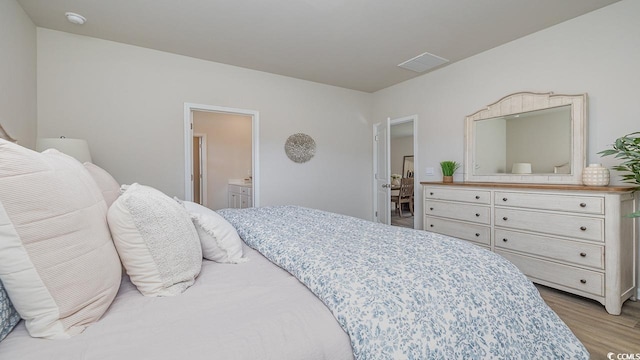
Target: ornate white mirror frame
[{"x": 525, "y": 102}]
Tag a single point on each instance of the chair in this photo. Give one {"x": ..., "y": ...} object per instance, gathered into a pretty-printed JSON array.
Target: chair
[{"x": 405, "y": 195}]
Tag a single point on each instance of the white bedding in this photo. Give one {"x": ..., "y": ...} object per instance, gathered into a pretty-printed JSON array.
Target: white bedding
[{"x": 252, "y": 310}]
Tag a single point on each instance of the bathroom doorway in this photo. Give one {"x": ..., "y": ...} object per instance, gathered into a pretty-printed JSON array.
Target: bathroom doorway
[{"x": 227, "y": 158}]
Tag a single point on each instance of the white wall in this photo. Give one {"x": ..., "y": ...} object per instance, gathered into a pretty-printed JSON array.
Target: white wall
[
  {"x": 596, "y": 53},
  {"x": 18, "y": 73},
  {"x": 228, "y": 152},
  {"x": 128, "y": 102}
]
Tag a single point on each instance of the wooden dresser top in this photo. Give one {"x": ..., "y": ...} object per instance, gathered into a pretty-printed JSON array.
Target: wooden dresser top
[{"x": 611, "y": 188}]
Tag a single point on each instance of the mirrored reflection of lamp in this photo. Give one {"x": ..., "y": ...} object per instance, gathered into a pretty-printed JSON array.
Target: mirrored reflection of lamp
[
  {"x": 521, "y": 168},
  {"x": 76, "y": 148}
]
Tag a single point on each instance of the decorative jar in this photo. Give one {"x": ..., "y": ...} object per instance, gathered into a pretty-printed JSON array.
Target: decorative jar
[{"x": 595, "y": 175}]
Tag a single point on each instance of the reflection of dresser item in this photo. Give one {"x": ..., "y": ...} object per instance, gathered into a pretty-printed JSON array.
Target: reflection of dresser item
[
  {"x": 570, "y": 237},
  {"x": 240, "y": 196}
]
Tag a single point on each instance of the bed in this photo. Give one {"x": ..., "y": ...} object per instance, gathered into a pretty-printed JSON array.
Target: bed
[
  {"x": 312, "y": 285},
  {"x": 251, "y": 311}
]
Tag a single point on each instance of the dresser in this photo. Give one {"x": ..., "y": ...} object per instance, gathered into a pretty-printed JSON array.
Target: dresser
[{"x": 570, "y": 237}]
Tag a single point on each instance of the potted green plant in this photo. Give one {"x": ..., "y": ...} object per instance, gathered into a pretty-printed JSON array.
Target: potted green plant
[
  {"x": 627, "y": 148},
  {"x": 448, "y": 169}
]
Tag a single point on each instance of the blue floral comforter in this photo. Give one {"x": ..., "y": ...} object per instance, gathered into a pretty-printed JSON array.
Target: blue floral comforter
[{"x": 407, "y": 294}]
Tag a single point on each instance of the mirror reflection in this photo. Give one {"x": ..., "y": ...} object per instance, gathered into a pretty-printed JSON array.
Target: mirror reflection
[
  {"x": 407, "y": 166},
  {"x": 536, "y": 142}
]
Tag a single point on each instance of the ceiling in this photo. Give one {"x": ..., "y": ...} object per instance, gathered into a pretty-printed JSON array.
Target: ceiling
[{"x": 355, "y": 44}]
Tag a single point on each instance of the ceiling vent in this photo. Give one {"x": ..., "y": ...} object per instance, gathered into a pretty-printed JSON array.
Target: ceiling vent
[{"x": 423, "y": 62}]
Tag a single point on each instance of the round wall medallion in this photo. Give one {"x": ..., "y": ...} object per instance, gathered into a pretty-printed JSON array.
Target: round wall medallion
[{"x": 300, "y": 147}]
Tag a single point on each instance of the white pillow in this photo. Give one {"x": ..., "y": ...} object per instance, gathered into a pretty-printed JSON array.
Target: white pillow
[
  {"x": 107, "y": 184},
  {"x": 57, "y": 261},
  {"x": 219, "y": 239},
  {"x": 157, "y": 242}
]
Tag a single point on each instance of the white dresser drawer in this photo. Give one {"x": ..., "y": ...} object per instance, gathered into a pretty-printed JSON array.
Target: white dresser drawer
[
  {"x": 459, "y": 211},
  {"x": 584, "y": 280},
  {"x": 245, "y": 190},
  {"x": 582, "y": 227},
  {"x": 570, "y": 203},
  {"x": 234, "y": 188},
  {"x": 475, "y": 233},
  {"x": 574, "y": 252},
  {"x": 472, "y": 196}
]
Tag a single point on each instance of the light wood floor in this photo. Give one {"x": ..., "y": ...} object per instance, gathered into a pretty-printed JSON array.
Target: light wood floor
[
  {"x": 600, "y": 332},
  {"x": 406, "y": 221}
]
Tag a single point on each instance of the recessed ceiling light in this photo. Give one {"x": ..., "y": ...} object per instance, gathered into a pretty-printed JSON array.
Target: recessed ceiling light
[{"x": 75, "y": 18}]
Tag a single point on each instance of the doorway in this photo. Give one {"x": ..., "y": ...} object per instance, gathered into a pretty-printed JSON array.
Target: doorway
[
  {"x": 231, "y": 156},
  {"x": 395, "y": 153},
  {"x": 402, "y": 165}
]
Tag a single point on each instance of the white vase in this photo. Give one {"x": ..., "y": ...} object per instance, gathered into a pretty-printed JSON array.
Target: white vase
[{"x": 595, "y": 175}]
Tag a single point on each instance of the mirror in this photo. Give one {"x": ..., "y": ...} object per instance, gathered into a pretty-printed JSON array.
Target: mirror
[
  {"x": 527, "y": 138},
  {"x": 537, "y": 142},
  {"x": 407, "y": 166}
]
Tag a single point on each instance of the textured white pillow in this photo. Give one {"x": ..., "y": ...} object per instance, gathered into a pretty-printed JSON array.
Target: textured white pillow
[
  {"x": 157, "y": 242},
  {"x": 107, "y": 184},
  {"x": 219, "y": 239},
  {"x": 57, "y": 261}
]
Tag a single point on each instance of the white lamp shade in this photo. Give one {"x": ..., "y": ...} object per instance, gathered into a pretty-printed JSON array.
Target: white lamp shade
[
  {"x": 76, "y": 148},
  {"x": 521, "y": 168}
]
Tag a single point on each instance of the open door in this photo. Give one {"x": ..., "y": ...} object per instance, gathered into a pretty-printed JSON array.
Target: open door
[{"x": 382, "y": 173}]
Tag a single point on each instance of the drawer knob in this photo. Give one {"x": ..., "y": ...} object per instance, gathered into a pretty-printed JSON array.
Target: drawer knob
[
  {"x": 431, "y": 208},
  {"x": 477, "y": 234},
  {"x": 430, "y": 193},
  {"x": 431, "y": 225},
  {"x": 583, "y": 254},
  {"x": 477, "y": 197},
  {"x": 504, "y": 199},
  {"x": 505, "y": 218},
  {"x": 505, "y": 239},
  {"x": 583, "y": 205},
  {"x": 477, "y": 215},
  {"x": 583, "y": 228},
  {"x": 583, "y": 281}
]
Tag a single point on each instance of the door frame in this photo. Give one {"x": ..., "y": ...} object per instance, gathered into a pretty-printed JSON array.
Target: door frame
[
  {"x": 189, "y": 108},
  {"x": 417, "y": 207}
]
